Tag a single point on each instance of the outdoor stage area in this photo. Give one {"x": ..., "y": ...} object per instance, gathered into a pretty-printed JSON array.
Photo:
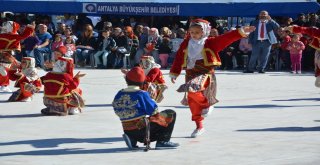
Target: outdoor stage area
[{"x": 261, "y": 119}]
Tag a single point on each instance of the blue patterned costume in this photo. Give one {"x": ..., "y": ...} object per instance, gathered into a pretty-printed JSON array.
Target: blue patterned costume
[{"x": 132, "y": 105}]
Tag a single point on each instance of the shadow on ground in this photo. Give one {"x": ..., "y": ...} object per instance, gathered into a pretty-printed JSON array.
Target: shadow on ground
[
  {"x": 51, "y": 143},
  {"x": 67, "y": 151},
  {"x": 282, "y": 129},
  {"x": 301, "y": 99},
  {"x": 21, "y": 116},
  {"x": 98, "y": 105}
]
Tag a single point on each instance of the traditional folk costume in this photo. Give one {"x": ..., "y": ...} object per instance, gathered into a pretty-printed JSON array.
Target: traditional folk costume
[
  {"x": 133, "y": 106},
  {"x": 9, "y": 42},
  {"x": 199, "y": 57},
  {"x": 315, "y": 43},
  {"x": 61, "y": 94},
  {"x": 27, "y": 80},
  {"x": 155, "y": 83}
]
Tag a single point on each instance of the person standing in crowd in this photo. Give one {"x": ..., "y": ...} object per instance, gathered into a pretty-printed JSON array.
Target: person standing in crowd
[
  {"x": 198, "y": 53},
  {"x": 27, "y": 80},
  {"x": 315, "y": 33},
  {"x": 43, "y": 47},
  {"x": 245, "y": 51},
  {"x": 140, "y": 118},
  {"x": 296, "y": 47},
  {"x": 262, "y": 40},
  {"x": 284, "y": 53}
]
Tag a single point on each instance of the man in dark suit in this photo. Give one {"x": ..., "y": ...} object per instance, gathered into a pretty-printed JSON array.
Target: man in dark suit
[{"x": 262, "y": 39}]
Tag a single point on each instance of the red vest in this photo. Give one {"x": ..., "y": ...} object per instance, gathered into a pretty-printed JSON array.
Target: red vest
[
  {"x": 58, "y": 85},
  {"x": 10, "y": 42},
  {"x": 155, "y": 76},
  {"x": 210, "y": 51}
]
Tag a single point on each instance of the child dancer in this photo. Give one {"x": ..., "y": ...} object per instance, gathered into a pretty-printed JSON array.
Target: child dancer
[
  {"x": 133, "y": 106},
  {"x": 61, "y": 93},
  {"x": 198, "y": 53},
  {"x": 27, "y": 80},
  {"x": 10, "y": 42},
  {"x": 296, "y": 47},
  {"x": 155, "y": 83}
]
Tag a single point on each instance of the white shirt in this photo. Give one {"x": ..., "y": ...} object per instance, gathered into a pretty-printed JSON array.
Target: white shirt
[{"x": 265, "y": 31}]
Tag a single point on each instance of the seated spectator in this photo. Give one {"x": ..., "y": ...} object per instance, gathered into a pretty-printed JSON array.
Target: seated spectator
[
  {"x": 122, "y": 47},
  {"x": 71, "y": 47},
  {"x": 29, "y": 44},
  {"x": 133, "y": 42},
  {"x": 56, "y": 43},
  {"x": 68, "y": 33},
  {"x": 143, "y": 40},
  {"x": 175, "y": 42},
  {"x": 164, "y": 51},
  {"x": 104, "y": 46},
  {"x": 43, "y": 47},
  {"x": 85, "y": 45}
]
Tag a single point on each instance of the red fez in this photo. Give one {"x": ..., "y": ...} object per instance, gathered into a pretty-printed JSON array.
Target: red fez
[
  {"x": 62, "y": 50},
  {"x": 136, "y": 74}
]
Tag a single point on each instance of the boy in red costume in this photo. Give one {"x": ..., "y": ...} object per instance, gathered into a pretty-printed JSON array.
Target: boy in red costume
[
  {"x": 26, "y": 78},
  {"x": 155, "y": 83},
  {"x": 61, "y": 93},
  {"x": 9, "y": 42},
  {"x": 198, "y": 53},
  {"x": 315, "y": 43}
]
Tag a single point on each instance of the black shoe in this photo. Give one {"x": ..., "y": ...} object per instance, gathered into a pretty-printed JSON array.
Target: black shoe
[
  {"x": 248, "y": 71},
  {"x": 262, "y": 71},
  {"x": 131, "y": 144},
  {"x": 166, "y": 145}
]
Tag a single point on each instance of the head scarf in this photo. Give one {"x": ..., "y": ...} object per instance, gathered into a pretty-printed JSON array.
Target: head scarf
[
  {"x": 10, "y": 27},
  {"x": 63, "y": 65},
  {"x": 153, "y": 37},
  {"x": 130, "y": 31},
  {"x": 147, "y": 63},
  {"x": 195, "y": 47},
  {"x": 29, "y": 70}
]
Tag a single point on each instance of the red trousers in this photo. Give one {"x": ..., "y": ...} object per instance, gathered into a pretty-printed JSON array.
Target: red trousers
[{"x": 197, "y": 102}]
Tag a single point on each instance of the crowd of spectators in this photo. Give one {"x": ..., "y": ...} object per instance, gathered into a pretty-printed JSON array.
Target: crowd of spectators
[{"x": 108, "y": 43}]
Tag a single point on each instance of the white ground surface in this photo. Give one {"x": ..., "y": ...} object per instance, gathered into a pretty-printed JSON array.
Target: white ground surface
[{"x": 261, "y": 119}]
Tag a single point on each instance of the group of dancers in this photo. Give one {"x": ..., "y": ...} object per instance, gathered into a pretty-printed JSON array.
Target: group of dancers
[{"x": 136, "y": 106}]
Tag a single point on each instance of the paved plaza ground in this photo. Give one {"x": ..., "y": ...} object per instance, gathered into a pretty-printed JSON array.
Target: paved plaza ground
[{"x": 261, "y": 119}]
